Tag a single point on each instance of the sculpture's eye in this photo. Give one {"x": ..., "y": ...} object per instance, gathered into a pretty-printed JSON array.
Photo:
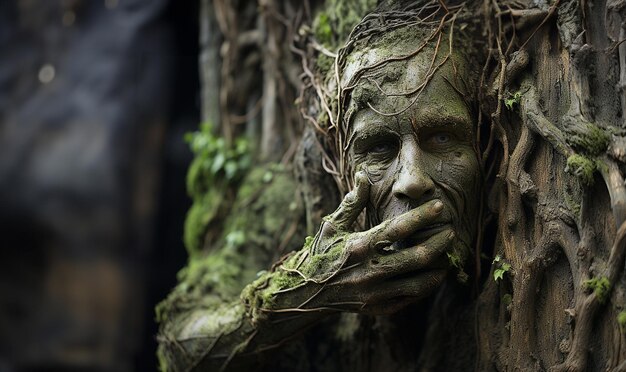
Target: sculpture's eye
[
  {"x": 441, "y": 138},
  {"x": 438, "y": 141},
  {"x": 381, "y": 148}
]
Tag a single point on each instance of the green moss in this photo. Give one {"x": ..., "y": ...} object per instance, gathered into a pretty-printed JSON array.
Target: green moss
[
  {"x": 205, "y": 282},
  {"x": 264, "y": 199},
  {"x": 600, "y": 286},
  {"x": 278, "y": 281},
  {"x": 217, "y": 167},
  {"x": 292, "y": 272},
  {"x": 206, "y": 300},
  {"x": 322, "y": 28},
  {"x": 325, "y": 264},
  {"x": 591, "y": 139},
  {"x": 261, "y": 293},
  {"x": 324, "y": 63},
  {"x": 457, "y": 258},
  {"x": 621, "y": 320},
  {"x": 308, "y": 242},
  {"x": 582, "y": 167},
  {"x": 335, "y": 21},
  {"x": 204, "y": 209},
  {"x": 601, "y": 166},
  {"x": 247, "y": 244}
]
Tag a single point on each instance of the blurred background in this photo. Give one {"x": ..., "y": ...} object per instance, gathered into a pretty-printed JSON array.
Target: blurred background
[{"x": 95, "y": 97}]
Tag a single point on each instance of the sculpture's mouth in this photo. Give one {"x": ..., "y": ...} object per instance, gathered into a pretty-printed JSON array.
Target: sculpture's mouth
[{"x": 421, "y": 235}]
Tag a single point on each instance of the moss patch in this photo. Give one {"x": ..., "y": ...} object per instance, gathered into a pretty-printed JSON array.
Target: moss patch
[
  {"x": 205, "y": 208},
  {"x": 581, "y": 167},
  {"x": 621, "y": 320},
  {"x": 216, "y": 168},
  {"x": 206, "y": 300},
  {"x": 600, "y": 286},
  {"x": 261, "y": 293},
  {"x": 266, "y": 209},
  {"x": 298, "y": 268},
  {"x": 591, "y": 139},
  {"x": 335, "y": 21}
]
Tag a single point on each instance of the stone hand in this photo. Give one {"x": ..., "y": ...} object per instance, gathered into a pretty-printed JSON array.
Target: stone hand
[{"x": 379, "y": 270}]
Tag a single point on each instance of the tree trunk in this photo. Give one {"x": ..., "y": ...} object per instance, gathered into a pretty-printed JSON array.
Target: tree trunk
[
  {"x": 549, "y": 278},
  {"x": 562, "y": 198}
]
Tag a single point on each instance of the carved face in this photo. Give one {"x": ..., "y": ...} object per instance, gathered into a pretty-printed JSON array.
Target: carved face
[{"x": 415, "y": 148}]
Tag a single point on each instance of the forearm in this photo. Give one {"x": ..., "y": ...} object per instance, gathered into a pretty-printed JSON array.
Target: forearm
[{"x": 232, "y": 335}]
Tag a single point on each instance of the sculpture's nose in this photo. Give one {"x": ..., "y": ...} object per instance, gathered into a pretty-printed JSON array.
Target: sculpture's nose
[{"x": 413, "y": 184}]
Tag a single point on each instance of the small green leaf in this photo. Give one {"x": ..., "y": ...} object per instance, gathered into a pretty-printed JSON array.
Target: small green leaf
[
  {"x": 515, "y": 99},
  {"x": 498, "y": 274},
  {"x": 235, "y": 238},
  {"x": 231, "y": 169},
  {"x": 455, "y": 260},
  {"x": 218, "y": 162}
]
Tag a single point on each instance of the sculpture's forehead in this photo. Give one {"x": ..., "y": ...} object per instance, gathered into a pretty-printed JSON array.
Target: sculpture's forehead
[
  {"x": 439, "y": 103},
  {"x": 392, "y": 46},
  {"x": 416, "y": 88}
]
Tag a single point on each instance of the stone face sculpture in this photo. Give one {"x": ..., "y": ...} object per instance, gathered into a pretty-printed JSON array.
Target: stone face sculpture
[
  {"x": 399, "y": 127},
  {"x": 407, "y": 125}
]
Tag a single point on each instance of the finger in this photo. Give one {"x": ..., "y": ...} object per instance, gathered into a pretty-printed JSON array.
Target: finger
[
  {"x": 425, "y": 255},
  {"x": 404, "y": 225},
  {"x": 415, "y": 287},
  {"x": 352, "y": 204}
]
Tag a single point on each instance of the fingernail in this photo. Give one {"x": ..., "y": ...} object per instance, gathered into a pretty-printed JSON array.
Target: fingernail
[{"x": 438, "y": 206}]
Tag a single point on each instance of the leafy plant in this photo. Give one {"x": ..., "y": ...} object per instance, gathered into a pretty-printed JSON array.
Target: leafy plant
[
  {"x": 504, "y": 267},
  {"x": 215, "y": 160},
  {"x": 513, "y": 100},
  {"x": 216, "y": 167}
]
